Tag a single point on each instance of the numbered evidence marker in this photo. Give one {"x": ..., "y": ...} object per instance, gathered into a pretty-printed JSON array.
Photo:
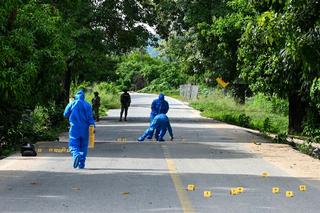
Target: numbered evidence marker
[
  {"x": 275, "y": 190},
  {"x": 207, "y": 194},
  {"x": 191, "y": 187},
  {"x": 122, "y": 140},
  {"x": 303, "y": 188},
  {"x": 234, "y": 191},
  {"x": 264, "y": 174},
  {"x": 289, "y": 194}
]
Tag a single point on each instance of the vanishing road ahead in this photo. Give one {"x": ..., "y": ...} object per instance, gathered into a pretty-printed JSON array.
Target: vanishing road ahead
[{"x": 123, "y": 175}]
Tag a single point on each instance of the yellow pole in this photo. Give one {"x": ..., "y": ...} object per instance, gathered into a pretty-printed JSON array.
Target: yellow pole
[{"x": 91, "y": 136}]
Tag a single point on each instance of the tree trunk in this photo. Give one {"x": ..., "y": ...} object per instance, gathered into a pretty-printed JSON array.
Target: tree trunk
[
  {"x": 64, "y": 97},
  {"x": 239, "y": 93},
  {"x": 11, "y": 20},
  {"x": 297, "y": 112}
]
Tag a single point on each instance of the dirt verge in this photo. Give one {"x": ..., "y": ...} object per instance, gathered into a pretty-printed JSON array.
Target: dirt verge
[{"x": 285, "y": 157}]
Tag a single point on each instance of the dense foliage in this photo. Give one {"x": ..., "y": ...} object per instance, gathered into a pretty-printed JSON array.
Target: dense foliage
[
  {"x": 259, "y": 112},
  {"x": 272, "y": 46},
  {"x": 269, "y": 46},
  {"x": 46, "y": 45},
  {"x": 138, "y": 70}
]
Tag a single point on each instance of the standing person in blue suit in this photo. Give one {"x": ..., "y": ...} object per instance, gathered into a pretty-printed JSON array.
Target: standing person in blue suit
[
  {"x": 79, "y": 114},
  {"x": 158, "y": 106},
  {"x": 161, "y": 124}
]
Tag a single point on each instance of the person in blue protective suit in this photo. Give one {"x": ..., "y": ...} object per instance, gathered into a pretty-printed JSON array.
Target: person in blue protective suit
[
  {"x": 158, "y": 106},
  {"x": 161, "y": 124},
  {"x": 79, "y": 113}
]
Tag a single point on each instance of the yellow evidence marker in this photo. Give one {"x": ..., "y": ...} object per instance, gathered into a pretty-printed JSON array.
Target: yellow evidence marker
[
  {"x": 191, "y": 187},
  {"x": 234, "y": 191},
  {"x": 91, "y": 136},
  {"x": 265, "y": 174},
  {"x": 303, "y": 188},
  {"x": 240, "y": 189},
  {"x": 207, "y": 194},
  {"x": 275, "y": 190},
  {"x": 289, "y": 194}
]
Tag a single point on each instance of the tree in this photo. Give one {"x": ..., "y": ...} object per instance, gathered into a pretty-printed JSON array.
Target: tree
[
  {"x": 209, "y": 44},
  {"x": 47, "y": 44},
  {"x": 96, "y": 30},
  {"x": 138, "y": 70},
  {"x": 279, "y": 53},
  {"x": 184, "y": 21},
  {"x": 31, "y": 60}
]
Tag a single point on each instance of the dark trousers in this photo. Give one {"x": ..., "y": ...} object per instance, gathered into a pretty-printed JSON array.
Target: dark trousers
[
  {"x": 96, "y": 114},
  {"x": 125, "y": 110}
]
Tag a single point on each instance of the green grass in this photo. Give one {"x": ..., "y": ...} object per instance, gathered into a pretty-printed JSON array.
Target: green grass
[{"x": 258, "y": 113}]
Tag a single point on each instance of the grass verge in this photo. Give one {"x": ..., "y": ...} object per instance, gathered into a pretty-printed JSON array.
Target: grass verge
[{"x": 257, "y": 113}]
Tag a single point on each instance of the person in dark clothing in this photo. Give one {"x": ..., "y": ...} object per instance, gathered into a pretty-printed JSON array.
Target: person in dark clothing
[
  {"x": 96, "y": 105},
  {"x": 125, "y": 101}
]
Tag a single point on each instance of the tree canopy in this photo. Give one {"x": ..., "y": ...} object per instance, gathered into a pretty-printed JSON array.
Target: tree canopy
[
  {"x": 270, "y": 46},
  {"x": 45, "y": 45}
]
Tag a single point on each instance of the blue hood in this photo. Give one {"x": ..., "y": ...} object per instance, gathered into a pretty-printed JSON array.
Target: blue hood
[
  {"x": 79, "y": 95},
  {"x": 161, "y": 97}
]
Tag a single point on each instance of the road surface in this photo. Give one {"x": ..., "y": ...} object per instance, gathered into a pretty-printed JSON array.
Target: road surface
[{"x": 123, "y": 175}]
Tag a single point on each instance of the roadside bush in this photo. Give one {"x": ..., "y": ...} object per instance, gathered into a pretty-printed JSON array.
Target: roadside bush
[
  {"x": 244, "y": 120},
  {"x": 266, "y": 125},
  {"x": 139, "y": 70},
  {"x": 281, "y": 138},
  {"x": 108, "y": 92},
  {"x": 311, "y": 126},
  {"x": 40, "y": 120},
  {"x": 36, "y": 125},
  {"x": 258, "y": 112},
  {"x": 306, "y": 148}
]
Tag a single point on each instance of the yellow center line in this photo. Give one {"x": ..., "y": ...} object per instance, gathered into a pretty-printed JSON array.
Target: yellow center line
[{"x": 181, "y": 192}]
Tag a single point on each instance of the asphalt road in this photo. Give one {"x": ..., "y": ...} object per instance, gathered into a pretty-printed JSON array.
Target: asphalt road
[{"x": 123, "y": 175}]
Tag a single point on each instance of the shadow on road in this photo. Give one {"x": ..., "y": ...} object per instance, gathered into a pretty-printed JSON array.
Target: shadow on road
[
  {"x": 150, "y": 150},
  {"x": 121, "y": 190},
  {"x": 105, "y": 120}
]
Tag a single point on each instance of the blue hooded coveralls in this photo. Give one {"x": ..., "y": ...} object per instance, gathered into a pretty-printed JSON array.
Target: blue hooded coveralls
[
  {"x": 79, "y": 113},
  {"x": 158, "y": 106},
  {"x": 161, "y": 124}
]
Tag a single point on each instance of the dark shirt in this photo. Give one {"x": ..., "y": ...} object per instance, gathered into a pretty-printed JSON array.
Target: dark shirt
[
  {"x": 125, "y": 99},
  {"x": 96, "y": 102}
]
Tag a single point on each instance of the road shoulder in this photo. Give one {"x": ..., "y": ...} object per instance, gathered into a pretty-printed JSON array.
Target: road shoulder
[{"x": 285, "y": 157}]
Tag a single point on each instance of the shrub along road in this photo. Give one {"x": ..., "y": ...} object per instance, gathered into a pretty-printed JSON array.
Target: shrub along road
[{"x": 123, "y": 175}]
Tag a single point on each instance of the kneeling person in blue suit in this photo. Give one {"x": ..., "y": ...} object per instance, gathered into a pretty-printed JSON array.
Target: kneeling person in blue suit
[
  {"x": 79, "y": 113},
  {"x": 161, "y": 124}
]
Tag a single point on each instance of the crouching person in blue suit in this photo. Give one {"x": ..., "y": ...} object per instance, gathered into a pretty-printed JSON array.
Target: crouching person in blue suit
[
  {"x": 79, "y": 113},
  {"x": 161, "y": 124}
]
